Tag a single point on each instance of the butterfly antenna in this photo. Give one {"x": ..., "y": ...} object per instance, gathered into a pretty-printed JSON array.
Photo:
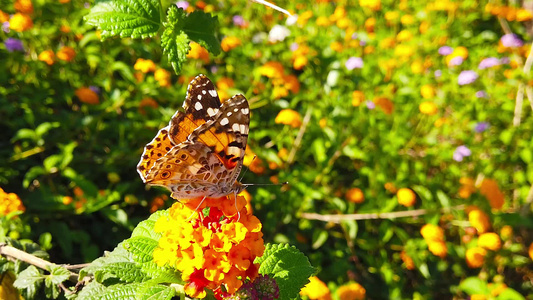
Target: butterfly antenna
[
  {"x": 253, "y": 184},
  {"x": 196, "y": 209},
  {"x": 246, "y": 170}
]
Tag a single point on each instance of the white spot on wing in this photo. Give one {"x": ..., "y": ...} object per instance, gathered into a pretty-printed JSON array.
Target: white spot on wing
[
  {"x": 198, "y": 105},
  {"x": 199, "y": 97},
  {"x": 224, "y": 122},
  {"x": 213, "y": 93},
  {"x": 243, "y": 128},
  {"x": 212, "y": 111},
  {"x": 229, "y": 113},
  {"x": 245, "y": 111},
  {"x": 235, "y": 109},
  {"x": 235, "y": 127},
  {"x": 204, "y": 92}
]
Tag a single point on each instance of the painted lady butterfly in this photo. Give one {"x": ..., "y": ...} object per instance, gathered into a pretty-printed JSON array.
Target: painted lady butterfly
[{"x": 200, "y": 152}]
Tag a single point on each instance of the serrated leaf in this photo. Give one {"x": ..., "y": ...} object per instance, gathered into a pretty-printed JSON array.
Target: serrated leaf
[
  {"x": 174, "y": 40},
  {"x": 30, "y": 279},
  {"x": 288, "y": 266},
  {"x": 126, "y": 18},
  {"x": 146, "y": 227},
  {"x": 200, "y": 27},
  {"x": 58, "y": 274},
  {"x": 119, "y": 254},
  {"x": 50, "y": 290},
  {"x": 117, "y": 291},
  {"x": 125, "y": 271},
  {"x": 142, "y": 248},
  {"x": 151, "y": 291}
]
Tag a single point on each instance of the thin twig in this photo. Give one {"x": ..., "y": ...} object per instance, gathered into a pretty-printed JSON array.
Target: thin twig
[
  {"x": 518, "y": 105},
  {"x": 300, "y": 135},
  {"x": 375, "y": 216},
  {"x": 16, "y": 254},
  {"x": 268, "y": 4}
]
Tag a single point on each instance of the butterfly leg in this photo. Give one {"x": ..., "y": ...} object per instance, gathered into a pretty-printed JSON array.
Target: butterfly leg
[{"x": 197, "y": 207}]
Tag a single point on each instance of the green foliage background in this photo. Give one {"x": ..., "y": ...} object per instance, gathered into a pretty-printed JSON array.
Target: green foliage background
[{"x": 51, "y": 142}]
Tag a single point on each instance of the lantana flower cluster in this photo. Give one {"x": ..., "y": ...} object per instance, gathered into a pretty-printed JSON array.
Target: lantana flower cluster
[
  {"x": 213, "y": 243},
  {"x": 10, "y": 202}
]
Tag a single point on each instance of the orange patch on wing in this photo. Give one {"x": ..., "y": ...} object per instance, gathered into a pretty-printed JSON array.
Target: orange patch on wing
[{"x": 153, "y": 151}]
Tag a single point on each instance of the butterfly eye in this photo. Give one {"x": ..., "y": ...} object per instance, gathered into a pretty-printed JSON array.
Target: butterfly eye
[{"x": 165, "y": 174}]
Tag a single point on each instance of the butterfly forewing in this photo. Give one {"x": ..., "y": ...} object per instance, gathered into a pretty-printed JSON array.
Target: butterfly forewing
[{"x": 201, "y": 105}]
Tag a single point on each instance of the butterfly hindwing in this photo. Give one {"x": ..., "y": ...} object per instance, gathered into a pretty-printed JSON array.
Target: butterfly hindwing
[{"x": 153, "y": 151}]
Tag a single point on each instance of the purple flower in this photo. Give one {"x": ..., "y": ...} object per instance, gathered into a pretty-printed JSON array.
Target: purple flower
[
  {"x": 481, "y": 126},
  {"x": 456, "y": 61},
  {"x": 445, "y": 50},
  {"x": 461, "y": 152},
  {"x": 467, "y": 77},
  {"x": 437, "y": 73},
  {"x": 482, "y": 94},
  {"x": 182, "y": 4},
  {"x": 370, "y": 104},
  {"x": 354, "y": 36},
  {"x": 362, "y": 43},
  {"x": 505, "y": 60},
  {"x": 511, "y": 40},
  {"x": 294, "y": 46},
  {"x": 214, "y": 69},
  {"x": 5, "y": 27},
  {"x": 14, "y": 45},
  {"x": 354, "y": 63},
  {"x": 238, "y": 20},
  {"x": 94, "y": 89},
  {"x": 489, "y": 62}
]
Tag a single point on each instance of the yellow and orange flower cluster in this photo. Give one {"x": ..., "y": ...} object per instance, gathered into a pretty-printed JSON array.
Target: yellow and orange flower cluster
[
  {"x": 283, "y": 84},
  {"x": 406, "y": 197},
  {"x": 351, "y": 291},
  {"x": 10, "y": 202},
  {"x": 198, "y": 52},
  {"x": 289, "y": 117},
  {"x": 86, "y": 95},
  {"x": 488, "y": 188},
  {"x": 211, "y": 249},
  {"x": 434, "y": 236},
  {"x": 20, "y": 22},
  {"x": 316, "y": 289},
  {"x": 407, "y": 260},
  {"x": 509, "y": 13}
]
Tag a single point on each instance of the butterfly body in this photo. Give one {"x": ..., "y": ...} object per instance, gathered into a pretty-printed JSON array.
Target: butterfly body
[{"x": 200, "y": 152}]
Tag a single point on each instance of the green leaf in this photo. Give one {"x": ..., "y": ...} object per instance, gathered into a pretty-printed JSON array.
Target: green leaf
[
  {"x": 174, "y": 40},
  {"x": 200, "y": 27},
  {"x": 319, "y": 238},
  {"x": 288, "y": 266},
  {"x": 141, "y": 248},
  {"x": 151, "y": 291},
  {"x": 30, "y": 279},
  {"x": 119, "y": 254},
  {"x": 510, "y": 294},
  {"x": 58, "y": 274},
  {"x": 126, "y": 18},
  {"x": 443, "y": 199},
  {"x": 117, "y": 291},
  {"x": 473, "y": 286},
  {"x": 146, "y": 228},
  {"x": 125, "y": 271}
]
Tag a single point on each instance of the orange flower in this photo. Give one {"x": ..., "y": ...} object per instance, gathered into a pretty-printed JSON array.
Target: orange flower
[
  {"x": 406, "y": 197},
  {"x": 230, "y": 42},
  {"x": 4, "y": 17},
  {"x": 300, "y": 62},
  {"x": 23, "y": 6},
  {"x": 86, "y": 95},
  {"x": 479, "y": 220},
  {"x": 407, "y": 260},
  {"x": 357, "y": 98},
  {"x": 374, "y": 5},
  {"x": 336, "y": 46},
  {"x": 467, "y": 187},
  {"x": 428, "y": 108},
  {"x": 506, "y": 232},
  {"x": 351, "y": 291},
  {"x": 316, "y": 289},
  {"x": 272, "y": 69},
  {"x": 475, "y": 257},
  {"x": 438, "y": 248},
  {"x": 489, "y": 188},
  {"x": 370, "y": 23},
  {"x": 157, "y": 203},
  {"x": 490, "y": 241},
  {"x": 147, "y": 102},
  {"x": 67, "y": 200},
  {"x": 385, "y": 104},
  {"x": 47, "y": 56},
  {"x": 9, "y": 203},
  {"x": 163, "y": 77},
  {"x": 212, "y": 250},
  {"x": 20, "y": 22},
  {"x": 390, "y": 187},
  {"x": 223, "y": 85},
  {"x": 355, "y": 195},
  {"x": 198, "y": 52},
  {"x": 65, "y": 29},
  {"x": 432, "y": 232},
  {"x": 144, "y": 65},
  {"x": 66, "y": 53},
  {"x": 289, "y": 117}
]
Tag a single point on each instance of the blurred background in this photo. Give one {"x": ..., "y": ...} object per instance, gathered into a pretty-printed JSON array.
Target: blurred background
[{"x": 418, "y": 110}]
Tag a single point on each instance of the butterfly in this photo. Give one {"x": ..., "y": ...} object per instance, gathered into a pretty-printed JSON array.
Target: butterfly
[{"x": 200, "y": 153}]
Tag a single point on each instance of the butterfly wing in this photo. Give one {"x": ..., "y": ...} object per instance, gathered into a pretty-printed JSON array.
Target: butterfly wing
[
  {"x": 208, "y": 163},
  {"x": 227, "y": 134},
  {"x": 200, "y": 105}
]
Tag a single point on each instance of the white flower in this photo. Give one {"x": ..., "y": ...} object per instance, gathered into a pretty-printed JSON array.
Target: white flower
[{"x": 278, "y": 33}]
